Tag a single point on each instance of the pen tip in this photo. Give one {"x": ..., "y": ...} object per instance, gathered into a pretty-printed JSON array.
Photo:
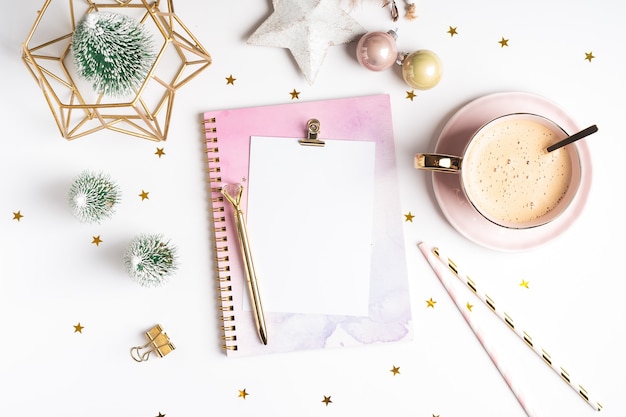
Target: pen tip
[{"x": 263, "y": 336}]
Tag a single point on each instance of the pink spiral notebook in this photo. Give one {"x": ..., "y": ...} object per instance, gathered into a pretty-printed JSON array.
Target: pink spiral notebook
[{"x": 325, "y": 225}]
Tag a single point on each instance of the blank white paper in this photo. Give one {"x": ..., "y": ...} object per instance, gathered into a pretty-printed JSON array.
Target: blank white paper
[{"x": 310, "y": 219}]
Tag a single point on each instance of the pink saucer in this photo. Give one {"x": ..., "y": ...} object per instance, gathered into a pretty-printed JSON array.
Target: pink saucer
[{"x": 460, "y": 213}]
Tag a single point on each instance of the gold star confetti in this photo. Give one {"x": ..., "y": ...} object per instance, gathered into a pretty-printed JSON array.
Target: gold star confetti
[
  {"x": 409, "y": 217},
  {"x": 295, "y": 94},
  {"x": 17, "y": 215},
  {"x": 326, "y": 400},
  {"x": 469, "y": 306},
  {"x": 452, "y": 31},
  {"x": 161, "y": 414},
  {"x": 524, "y": 284},
  {"x": 589, "y": 56},
  {"x": 243, "y": 393},
  {"x": 410, "y": 95},
  {"x": 78, "y": 328},
  {"x": 230, "y": 80},
  {"x": 159, "y": 152},
  {"x": 430, "y": 303},
  {"x": 96, "y": 240},
  {"x": 144, "y": 195},
  {"x": 503, "y": 42},
  {"x": 395, "y": 370}
]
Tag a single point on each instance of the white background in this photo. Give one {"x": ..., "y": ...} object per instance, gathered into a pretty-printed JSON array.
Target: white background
[{"x": 52, "y": 277}]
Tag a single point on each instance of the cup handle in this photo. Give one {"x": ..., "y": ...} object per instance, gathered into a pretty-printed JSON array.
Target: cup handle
[{"x": 437, "y": 162}]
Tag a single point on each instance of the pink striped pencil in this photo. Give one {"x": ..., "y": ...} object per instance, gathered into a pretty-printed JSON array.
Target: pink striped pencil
[{"x": 436, "y": 266}]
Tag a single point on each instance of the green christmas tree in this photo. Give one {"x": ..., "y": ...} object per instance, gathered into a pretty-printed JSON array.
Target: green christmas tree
[
  {"x": 93, "y": 197},
  {"x": 113, "y": 51},
  {"x": 150, "y": 259}
]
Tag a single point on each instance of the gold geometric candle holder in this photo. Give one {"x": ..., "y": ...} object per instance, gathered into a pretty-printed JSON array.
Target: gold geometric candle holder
[{"x": 77, "y": 109}]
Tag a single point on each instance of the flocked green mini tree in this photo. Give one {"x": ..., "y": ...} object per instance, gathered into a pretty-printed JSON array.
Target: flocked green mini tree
[
  {"x": 113, "y": 51},
  {"x": 150, "y": 259},
  {"x": 93, "y": 197}
]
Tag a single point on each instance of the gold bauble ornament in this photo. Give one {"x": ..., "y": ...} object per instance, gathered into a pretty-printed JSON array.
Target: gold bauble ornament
[{"x": 422, "y": 69}]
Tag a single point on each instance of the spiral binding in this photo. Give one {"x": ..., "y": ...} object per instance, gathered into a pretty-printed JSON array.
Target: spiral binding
[{"x": 222, "y": 258}]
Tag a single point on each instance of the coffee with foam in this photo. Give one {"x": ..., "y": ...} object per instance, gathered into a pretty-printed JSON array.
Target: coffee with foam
[{"x": 511, "y": 178}]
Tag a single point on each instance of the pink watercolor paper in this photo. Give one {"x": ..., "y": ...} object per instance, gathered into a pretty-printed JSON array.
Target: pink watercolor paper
[{"x": 388, "y": 317}]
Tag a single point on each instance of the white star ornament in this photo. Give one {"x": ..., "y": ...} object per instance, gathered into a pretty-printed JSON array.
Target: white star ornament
[{"x": 307, "y": 28}]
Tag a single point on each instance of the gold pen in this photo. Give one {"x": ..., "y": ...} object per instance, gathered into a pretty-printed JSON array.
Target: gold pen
[{"x": 233, "y": 193}]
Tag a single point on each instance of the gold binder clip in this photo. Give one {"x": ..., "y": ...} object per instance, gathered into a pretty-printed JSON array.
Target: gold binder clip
[
  {"x": 158, "y": 341},
  {"x": 313, "y": 129}
]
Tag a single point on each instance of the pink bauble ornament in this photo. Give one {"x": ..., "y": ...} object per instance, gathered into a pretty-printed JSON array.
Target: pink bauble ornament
[
  {"x": 422, "y": 69},
  {"x": 377, "y": 51}
]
